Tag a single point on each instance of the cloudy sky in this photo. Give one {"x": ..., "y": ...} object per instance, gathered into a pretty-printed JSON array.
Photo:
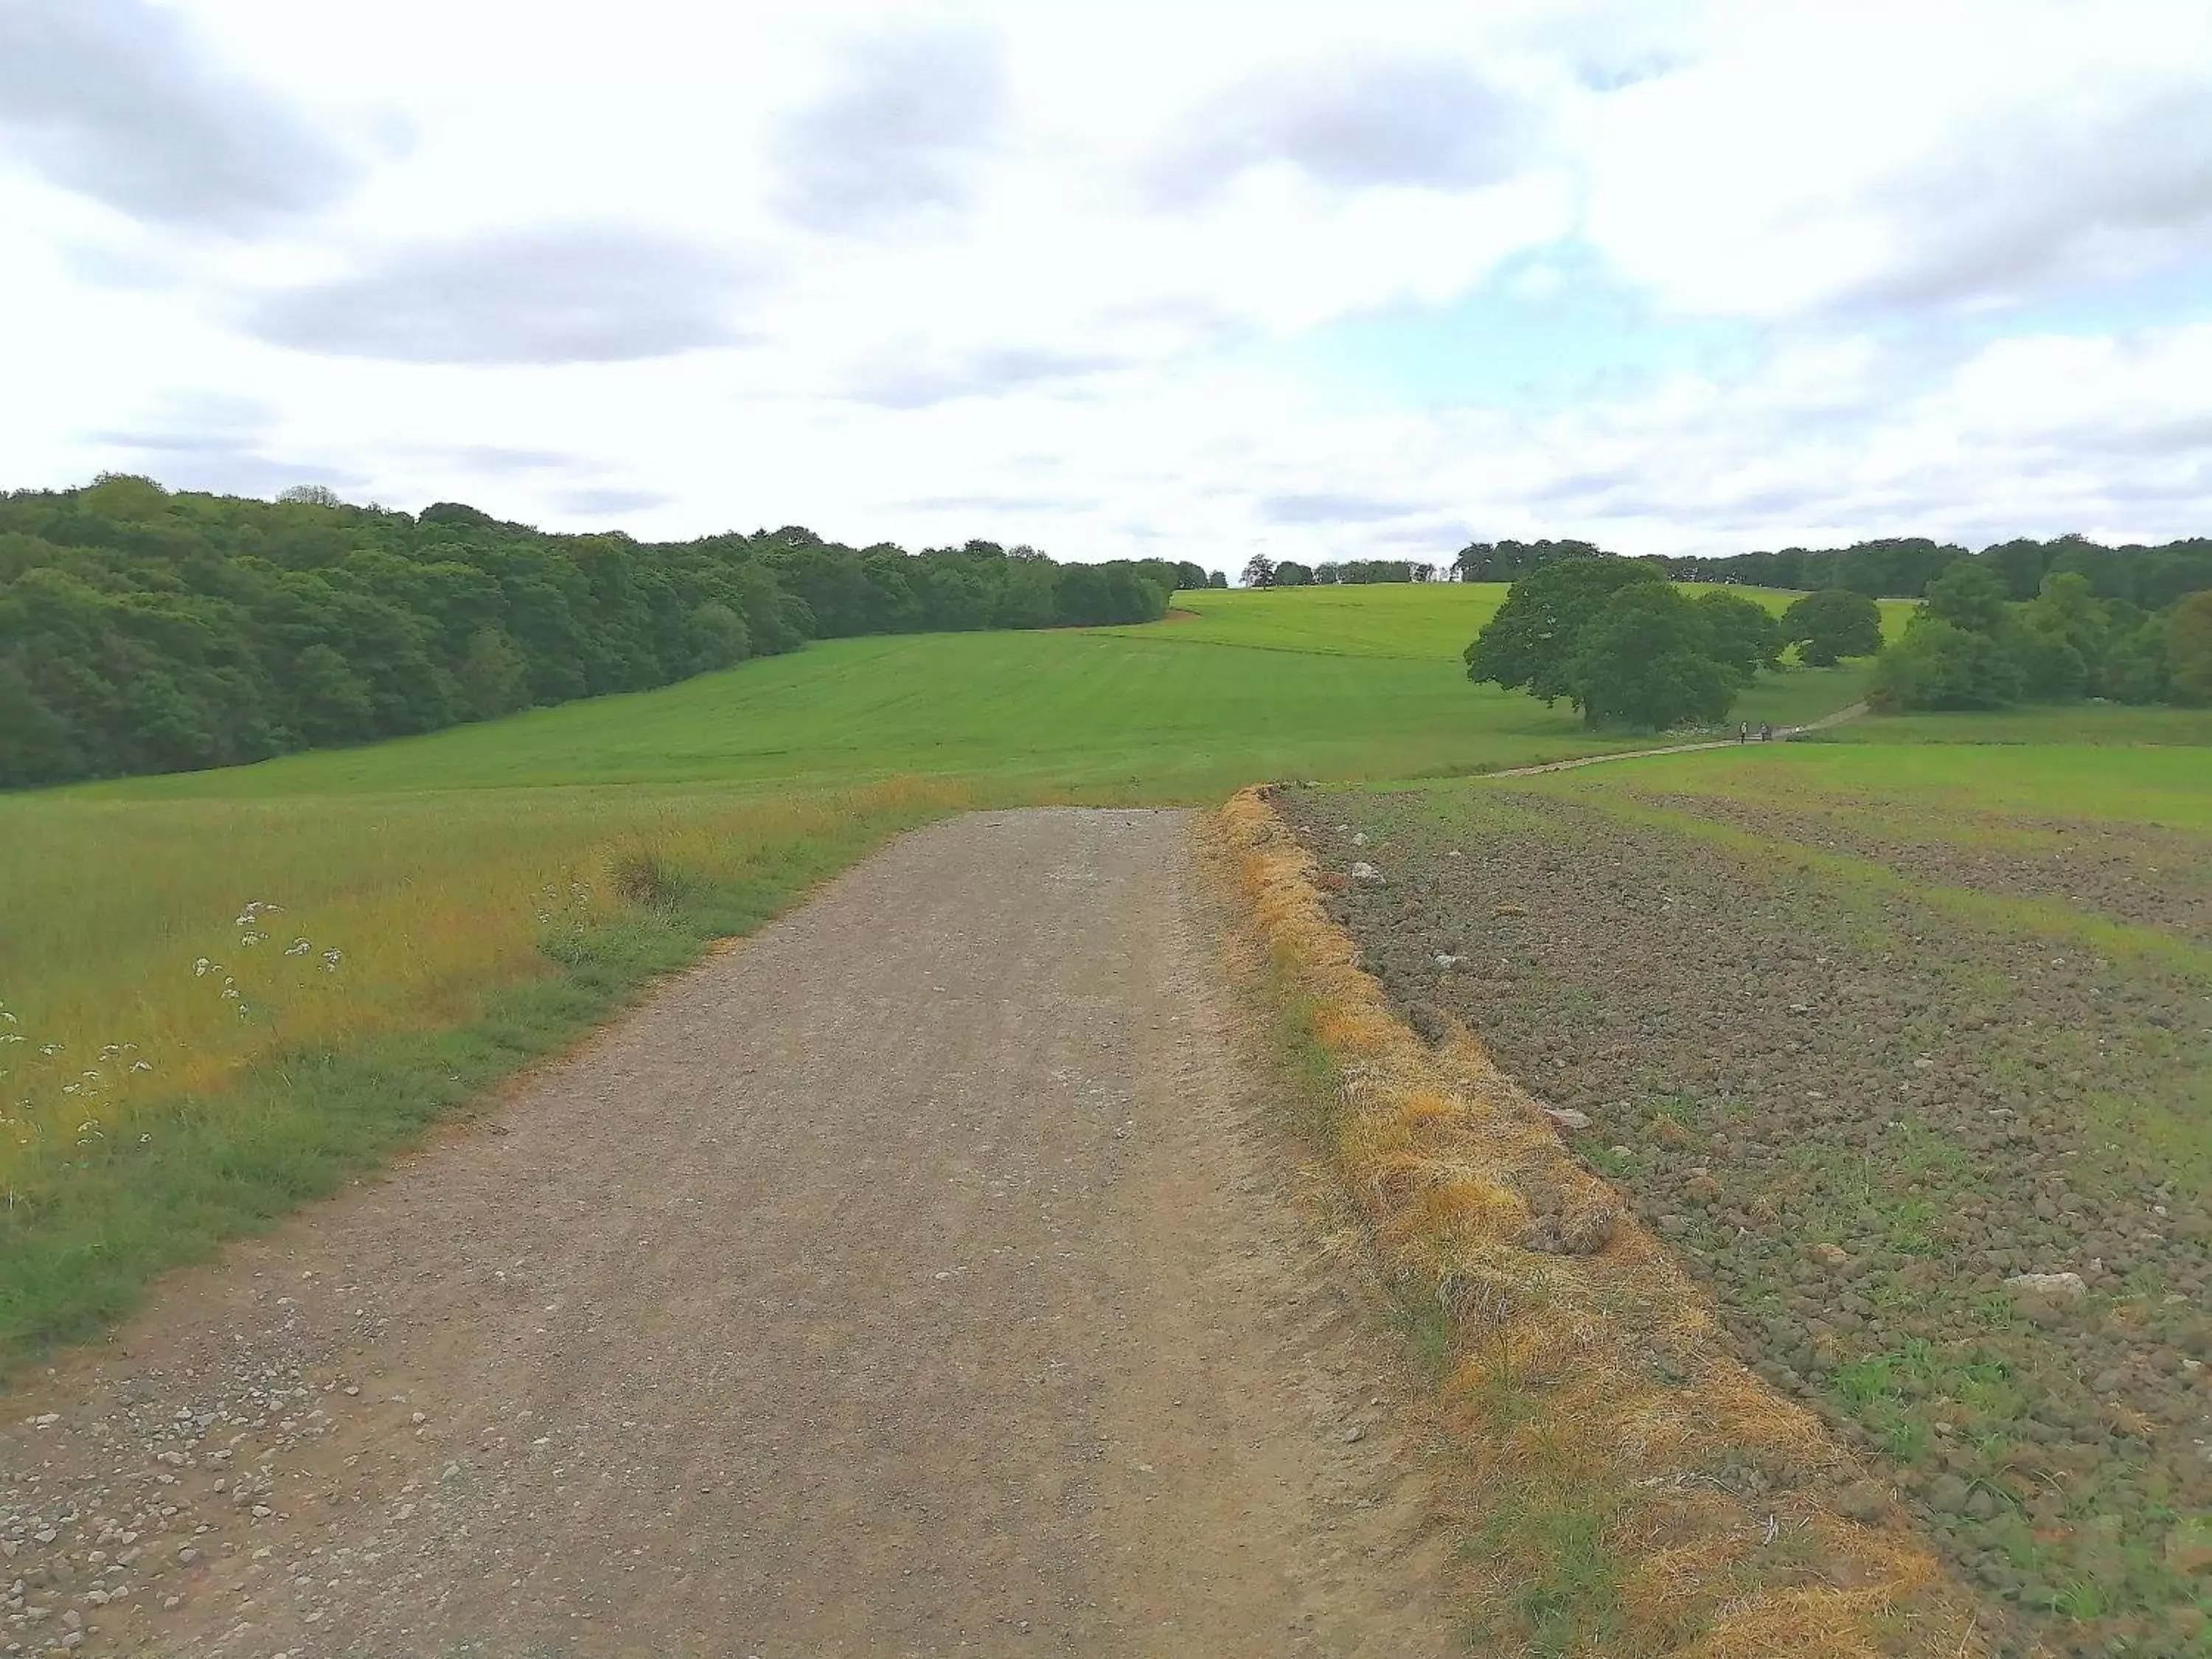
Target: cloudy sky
[{"x": 1195, "y": 279}]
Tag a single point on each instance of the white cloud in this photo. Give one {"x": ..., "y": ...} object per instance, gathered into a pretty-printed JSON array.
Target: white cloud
[
  {"x": 1044, "y": 273},
  {"x": 112, "y": 98}
]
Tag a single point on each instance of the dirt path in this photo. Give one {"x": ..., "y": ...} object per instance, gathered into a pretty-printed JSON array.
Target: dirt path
[
  {"x": 917, "y": 1277},
  {"x": 1849, "y": 713}
]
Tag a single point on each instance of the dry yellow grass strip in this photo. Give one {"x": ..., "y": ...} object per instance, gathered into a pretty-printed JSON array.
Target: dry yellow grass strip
[{"x": 1638, "y": 1491}]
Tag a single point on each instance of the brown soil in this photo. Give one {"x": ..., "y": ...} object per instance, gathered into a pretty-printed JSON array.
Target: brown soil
[
  {"x": 1855, "y": 1120},
  {"x": 2138, "y": 875},
  {"x": 918, "y": 1277}
]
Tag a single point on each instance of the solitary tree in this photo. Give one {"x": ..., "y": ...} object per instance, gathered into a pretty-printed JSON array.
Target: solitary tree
[
  {"x": 1832, "y": 624},
  {"x": 1649, "y": 661},
  {"x": 1259, "y": 571},
  {"x": 1530, "y": 643}
]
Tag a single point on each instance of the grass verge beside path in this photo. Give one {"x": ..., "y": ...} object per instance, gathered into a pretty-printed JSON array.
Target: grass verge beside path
[
  {"x": 1644, "y": 1494},
  {"x": 100, "y": 1191}
]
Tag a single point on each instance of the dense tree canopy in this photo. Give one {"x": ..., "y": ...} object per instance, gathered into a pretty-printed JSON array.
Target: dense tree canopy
[
  {"x": 2189, "y": 650},
  {"x": 1740, "y": 636},
  {"x": 1651, "y": 660},
  {"x": 2150, "y": 577},
  {"x": 1531, "y": 643},
  {"x": 1970, "y": 647},
  {"x": 1507, "y": 561},
  {"x": 142, "y": 631}
]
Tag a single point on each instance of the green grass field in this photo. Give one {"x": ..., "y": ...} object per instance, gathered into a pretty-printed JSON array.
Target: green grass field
[
  {"x": 2103, "y": 726},
  {"x": 1431, "y": 622},
  {"x": 455, "y": 870},
  {"x": 1336, "y": 683}
]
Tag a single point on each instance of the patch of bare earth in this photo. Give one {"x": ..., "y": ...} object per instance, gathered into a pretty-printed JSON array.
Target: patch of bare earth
[
  {"x": 920, "y": 1277},
  {"x": 1861, "y": 1124}
]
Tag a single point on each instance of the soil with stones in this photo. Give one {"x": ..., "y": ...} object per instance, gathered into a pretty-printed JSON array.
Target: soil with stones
[
  {"x": 1862, "y": 1124},
  {"x": 923, "y": 1275}
]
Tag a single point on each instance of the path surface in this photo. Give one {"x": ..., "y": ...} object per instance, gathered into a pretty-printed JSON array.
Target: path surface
[
  {"x": 916, "y": 1277},
  {"x": 1852, "y": 712}
]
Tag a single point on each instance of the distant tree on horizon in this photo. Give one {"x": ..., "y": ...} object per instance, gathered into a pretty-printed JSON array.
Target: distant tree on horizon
[{"x": 1832, "y": 624}]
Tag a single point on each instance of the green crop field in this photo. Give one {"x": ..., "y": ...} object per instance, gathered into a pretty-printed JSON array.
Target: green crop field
[
  {"x": 1431, "y": 622},
  {"x": 499, "y": 885},
  {"x": 2096, "y": 724}
]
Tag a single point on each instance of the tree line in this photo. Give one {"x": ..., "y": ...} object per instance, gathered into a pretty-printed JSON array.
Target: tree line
[
  {"x": 1620, "y": 642},
  {"x": 147, "y": 631},
  {"x": 1970, "y": 646},
  {"x": 1261, "y": 571},
  {"x": 2150, "y": 577}
]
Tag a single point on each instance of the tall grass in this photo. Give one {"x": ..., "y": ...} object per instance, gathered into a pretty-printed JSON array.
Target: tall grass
[{"x": 246, "y": 999}]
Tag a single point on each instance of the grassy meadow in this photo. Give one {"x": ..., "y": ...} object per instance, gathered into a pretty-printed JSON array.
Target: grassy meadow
[{"x": 454, "y": 870}]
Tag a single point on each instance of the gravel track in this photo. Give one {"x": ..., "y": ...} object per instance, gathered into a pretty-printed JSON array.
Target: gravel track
[{"x": 920, "y": 1276}]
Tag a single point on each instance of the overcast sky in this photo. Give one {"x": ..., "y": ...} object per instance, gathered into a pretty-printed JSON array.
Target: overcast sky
[{"x": 1191, "y": 279}]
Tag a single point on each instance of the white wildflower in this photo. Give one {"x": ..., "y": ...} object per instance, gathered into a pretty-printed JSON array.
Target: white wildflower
[
  {"x": 298, "y": 947},
  {"x": 200, "y": 968}
]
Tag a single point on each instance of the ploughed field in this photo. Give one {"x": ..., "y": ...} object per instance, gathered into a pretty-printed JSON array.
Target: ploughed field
[{"x": 1877, "y": 1038}]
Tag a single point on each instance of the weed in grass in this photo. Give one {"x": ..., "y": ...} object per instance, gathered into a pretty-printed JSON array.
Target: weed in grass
[
  {"x": 1426, "y": 1328},
  {"x": 643, "y": 875},
  {"x": 1312, "y": 1100},
  {"x": 1569, "y": 1601}
]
